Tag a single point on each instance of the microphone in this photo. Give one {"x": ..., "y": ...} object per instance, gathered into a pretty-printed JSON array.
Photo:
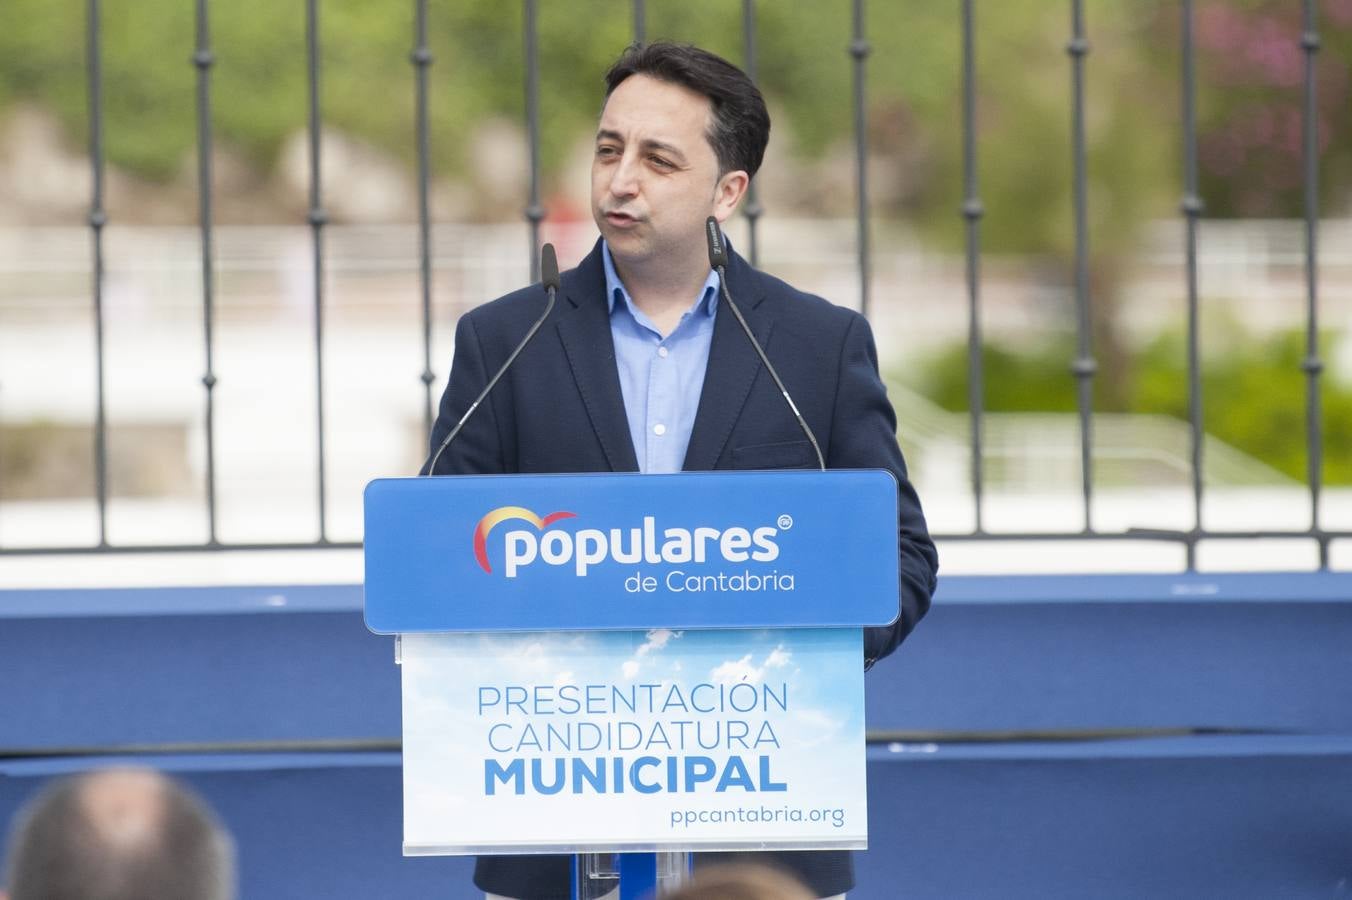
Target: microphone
[
  {"x": 549, "y": 269},
  {"x": 718, "y": 250},
  {"x": 718, "y": 261},
  {"x": 549, "y": 280}
]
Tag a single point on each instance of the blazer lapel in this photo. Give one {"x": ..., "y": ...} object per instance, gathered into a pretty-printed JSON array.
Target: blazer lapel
[
  {"x": 584, "y": 329},
  {"x": 733, "y": 364}
]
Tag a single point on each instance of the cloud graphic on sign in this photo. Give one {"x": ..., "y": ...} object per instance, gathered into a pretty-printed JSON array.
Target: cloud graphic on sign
[
  {"x": 815, "y": 726},
  {"x": 656, "y": 640},
  {"x": 528, "y": 658},
  {"x": 744, "y": 670}
]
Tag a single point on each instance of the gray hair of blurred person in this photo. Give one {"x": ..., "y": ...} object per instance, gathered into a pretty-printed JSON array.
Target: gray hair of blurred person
[
  {"x": 119, "y": 834},
  {"x": 741, "y": 881}
]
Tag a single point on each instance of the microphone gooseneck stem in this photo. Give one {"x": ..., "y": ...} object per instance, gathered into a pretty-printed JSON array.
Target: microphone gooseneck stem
[{"x": 550, "y": 280}]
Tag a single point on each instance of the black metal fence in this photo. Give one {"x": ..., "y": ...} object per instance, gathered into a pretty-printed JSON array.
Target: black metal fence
[{"x": 1083, "y": 366}]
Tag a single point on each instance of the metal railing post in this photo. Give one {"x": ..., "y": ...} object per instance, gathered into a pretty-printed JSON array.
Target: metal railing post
[
  {"x": 97, "y": 219},
  {"x": 1192, "y": 208},
  {"x": 318, "y": 218},
  {"x": 203, "y": 60},
  {"x": 972, "y": 212},
  {"x": 422, "y": 60},
  {"x": 534, "y": 212},
  {"x": 752, "y": 208},
  {"x": 859, "y": 51},
  {"x": 1312, "y": 365},
  {"x": 1084, "y": 367}
]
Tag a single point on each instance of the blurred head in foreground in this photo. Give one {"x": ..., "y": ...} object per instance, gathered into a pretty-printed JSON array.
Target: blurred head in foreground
[
  {"x": 118, "y": 834},
  {"x": 741, "y": 881}
]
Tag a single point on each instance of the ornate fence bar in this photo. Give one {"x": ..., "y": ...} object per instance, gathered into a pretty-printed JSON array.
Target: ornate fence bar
[
  {"x": 1313, "y": 365},
  {"x": 535, "y": 212},
  {"x": 422, "y": 60},
  {"x": 751, "y": 207},
  {"x": 318, "y": 218},
  {"x": 1192, "y": 210},
  {"x": 203, "y": 60},
  {"x": 97, "y": 219},
  {"x": 972, "y": 212},
  {"x": 859, "y": 50},
  {"x": 1084, "y": 365}
]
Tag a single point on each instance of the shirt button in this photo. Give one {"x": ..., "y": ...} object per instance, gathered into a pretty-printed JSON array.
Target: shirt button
[
  {"x": 659, "y": 429},
  {"x": 662, "y": 352}
]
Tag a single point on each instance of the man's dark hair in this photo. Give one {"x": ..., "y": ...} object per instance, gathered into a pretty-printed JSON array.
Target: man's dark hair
[
  {"x": 119, "y": 835},
  {"x": 740, "y": 126}
]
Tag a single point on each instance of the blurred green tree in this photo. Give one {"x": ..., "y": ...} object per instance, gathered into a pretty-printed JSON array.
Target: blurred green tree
[{"x": 1252, "y": 389}]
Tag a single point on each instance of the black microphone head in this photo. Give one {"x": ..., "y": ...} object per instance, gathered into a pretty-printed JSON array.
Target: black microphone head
[
  {"x": 718, "y": 251},
  {"x": 549, "y": 267}
]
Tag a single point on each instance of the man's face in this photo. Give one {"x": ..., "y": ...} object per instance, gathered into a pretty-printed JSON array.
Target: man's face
[{"x": 655, "y": 177}]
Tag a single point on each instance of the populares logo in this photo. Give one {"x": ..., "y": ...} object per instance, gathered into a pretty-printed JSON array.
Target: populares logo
[
  {"x": 645, "y": 543},
  {"x": 502, "y": 514}
]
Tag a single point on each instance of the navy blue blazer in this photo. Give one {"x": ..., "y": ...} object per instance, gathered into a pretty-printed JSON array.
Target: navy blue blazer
[{"x": 559, "y": 409}]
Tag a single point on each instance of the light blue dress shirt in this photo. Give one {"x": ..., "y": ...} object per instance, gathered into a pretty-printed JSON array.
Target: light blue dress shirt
[{"x": 660, "y": 378}]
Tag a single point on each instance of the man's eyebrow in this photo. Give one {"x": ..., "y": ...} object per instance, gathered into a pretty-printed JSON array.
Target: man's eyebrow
[
  {"x": 606, "y": 134},
  {"x": 668, "y": 149}
]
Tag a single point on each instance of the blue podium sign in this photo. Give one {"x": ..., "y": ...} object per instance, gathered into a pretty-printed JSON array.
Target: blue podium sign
[
  {"x": 631, "y": 552},
  {"x": 612, "y": 741}
]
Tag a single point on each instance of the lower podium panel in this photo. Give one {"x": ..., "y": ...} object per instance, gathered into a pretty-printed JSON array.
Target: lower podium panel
[
  {"x": 1231, "y": 817},
  {"x": 1234, "y": 817}
]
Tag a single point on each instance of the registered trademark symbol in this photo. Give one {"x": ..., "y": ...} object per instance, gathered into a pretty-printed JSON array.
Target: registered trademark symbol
[{"x": 785, "y": 523}]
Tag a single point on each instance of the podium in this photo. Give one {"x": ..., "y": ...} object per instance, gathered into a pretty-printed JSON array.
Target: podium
[{"x": 632, "y": 664}]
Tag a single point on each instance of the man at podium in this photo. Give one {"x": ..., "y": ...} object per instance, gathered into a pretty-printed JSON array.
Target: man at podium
[{"x": 642, "y": 366}]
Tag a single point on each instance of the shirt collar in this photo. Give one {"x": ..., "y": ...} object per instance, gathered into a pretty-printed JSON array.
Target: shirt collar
[{"x": 706, "y": 302}]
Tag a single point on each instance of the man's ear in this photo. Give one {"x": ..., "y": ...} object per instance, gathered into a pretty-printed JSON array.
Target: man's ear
[{"x": 728, "y": 193}]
